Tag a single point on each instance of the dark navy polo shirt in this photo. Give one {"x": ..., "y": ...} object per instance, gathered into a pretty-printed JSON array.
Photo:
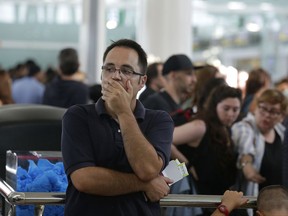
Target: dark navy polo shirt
[
  {"x": 161, "y": 101},
  {"x": 90, "y": 137},
  {"x": 65, "y": 93}
]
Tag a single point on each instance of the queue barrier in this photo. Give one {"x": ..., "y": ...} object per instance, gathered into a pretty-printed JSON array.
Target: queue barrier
[{"x": 40, "y": 199}]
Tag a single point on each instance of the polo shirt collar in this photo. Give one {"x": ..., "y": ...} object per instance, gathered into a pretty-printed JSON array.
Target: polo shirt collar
[{"x": 139, "y": 111}]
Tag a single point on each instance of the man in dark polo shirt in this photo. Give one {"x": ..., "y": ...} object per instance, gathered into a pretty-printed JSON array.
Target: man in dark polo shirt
[
  {"x": 66, "y": 90},
  {"x": 115, "y": 150}
]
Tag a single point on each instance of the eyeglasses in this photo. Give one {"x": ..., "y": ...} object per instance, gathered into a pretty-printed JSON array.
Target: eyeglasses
[
  {"x": 271, "y": 112},
  {"x": 128, "y": 72}
]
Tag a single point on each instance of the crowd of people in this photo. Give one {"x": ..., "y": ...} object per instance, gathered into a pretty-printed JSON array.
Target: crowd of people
[
  {"x": 115, "y": 146},
  {"x": 28, "y": 84}
]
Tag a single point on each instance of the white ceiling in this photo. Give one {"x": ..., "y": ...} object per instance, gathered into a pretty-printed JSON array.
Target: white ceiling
[
  {"x": 214, "y": 6},
  {"x": 247, "y": 6}
]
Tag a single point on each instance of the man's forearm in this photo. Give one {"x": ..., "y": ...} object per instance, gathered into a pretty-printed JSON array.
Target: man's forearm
[
  {"x": 106, "y": 182},
  {"x": 142, "y": 156}
]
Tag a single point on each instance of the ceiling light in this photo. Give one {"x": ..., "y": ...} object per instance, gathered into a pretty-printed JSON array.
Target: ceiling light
[
  {"x": 218, "y": 32},
  {"x": 199, "y": 4},
  {"x": 111, "y": 24},
  {"x": 236, "y": 6},
  {"x": 112, "y": 18},
  {"x": 252, "y": 27},
  {"x": 266, "y": 7}
]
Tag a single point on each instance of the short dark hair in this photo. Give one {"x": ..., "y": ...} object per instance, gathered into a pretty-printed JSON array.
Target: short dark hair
[
  {"x": 68, "y": 61},
  {"x": 33, "y": 70},
  {"x": 152, "y": 72},
  {"x": 142, "y": 56},
  {"x": 272, "y": 197},
  {"x": 32, "y": 67}
]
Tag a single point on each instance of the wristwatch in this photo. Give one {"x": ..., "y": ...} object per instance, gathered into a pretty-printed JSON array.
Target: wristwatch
[
  {"x": 223, "y": 209},
  {"x": 243, "y": 164}
]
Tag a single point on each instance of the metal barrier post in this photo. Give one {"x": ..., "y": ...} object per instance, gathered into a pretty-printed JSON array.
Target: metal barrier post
[{"x": 39, "y": 210}]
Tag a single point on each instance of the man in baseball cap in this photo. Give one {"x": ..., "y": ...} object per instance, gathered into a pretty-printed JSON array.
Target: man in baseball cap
[
  {"x": 180, "y": 82},
  {"x": 177, "y": 63}
]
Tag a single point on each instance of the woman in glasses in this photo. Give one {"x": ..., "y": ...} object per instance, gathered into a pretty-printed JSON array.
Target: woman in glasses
[{"x": 259, "y": 139}]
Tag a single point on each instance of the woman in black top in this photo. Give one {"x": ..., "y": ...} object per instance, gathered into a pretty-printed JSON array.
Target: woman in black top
[{"x": 206, "y": 142}]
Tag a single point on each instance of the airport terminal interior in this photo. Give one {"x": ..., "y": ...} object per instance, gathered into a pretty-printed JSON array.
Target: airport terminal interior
[
  {"x": 233, "y": 36},
  {"x": 240, "y": 34}
]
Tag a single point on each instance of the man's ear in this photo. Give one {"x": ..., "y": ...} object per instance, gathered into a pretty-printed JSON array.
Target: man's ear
[{"x": 142, "y": 81}]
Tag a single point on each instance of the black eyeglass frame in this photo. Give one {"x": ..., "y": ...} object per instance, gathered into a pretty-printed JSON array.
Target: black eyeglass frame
[
  {"x": 105, "y": 67},
  {"x": 262, "y": 108}
]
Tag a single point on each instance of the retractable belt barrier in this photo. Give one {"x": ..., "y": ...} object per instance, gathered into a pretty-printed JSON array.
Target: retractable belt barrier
[{"x": 40, "y": 199}]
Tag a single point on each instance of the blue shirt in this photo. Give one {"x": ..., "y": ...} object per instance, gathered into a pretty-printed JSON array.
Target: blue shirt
[
  {"x": 27, "y": 90},
  {"x": 90, "y": 137}
]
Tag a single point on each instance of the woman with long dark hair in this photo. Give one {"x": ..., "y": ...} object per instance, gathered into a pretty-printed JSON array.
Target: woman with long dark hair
[{"x": 206, "y": 142}]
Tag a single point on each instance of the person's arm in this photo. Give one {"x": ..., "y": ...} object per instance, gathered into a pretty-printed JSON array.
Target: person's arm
[
  {"x": 176, "y": 154},
  {"x": 190, "y": 133},
  {"x": 107, "y": 182},
  {"x": 141, "y": 154},
  {"x": 230, "y": 201},
  {"x": 249, "y": 171},
  {"x": 243, "y": 136}
]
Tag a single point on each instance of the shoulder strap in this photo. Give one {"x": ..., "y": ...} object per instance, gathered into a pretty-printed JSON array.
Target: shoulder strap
[{"x": 250, "y": 124}]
